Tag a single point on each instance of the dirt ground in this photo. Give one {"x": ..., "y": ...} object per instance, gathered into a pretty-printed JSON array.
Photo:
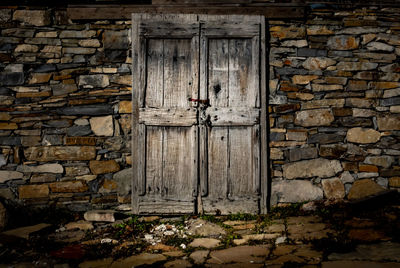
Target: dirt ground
[{"x": 362, "y": 234}]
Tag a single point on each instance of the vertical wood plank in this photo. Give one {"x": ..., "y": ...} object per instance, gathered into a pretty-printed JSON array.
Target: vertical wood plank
[
  {"x": 155, "y": 73},
  {"x": 154, "y": 154},
  {"x": 240, "y": 64},
  {"x": 218, "y": 72},
  {"x": 178, "y": 163},
  {"x": 240, "y": 162},
  {"x": 203, "y": 151},
  {"x": 135, "y": 110},
  {"x": 194, "y": 78},
  {"x": 218, "y": 162},
  {"x": 255, "y": 147},
  {"x": 254, "y": 76},
  {"x": 177, "y": 72},
  {"x": 265, "y": 177},
  {"x": 141, "y": 162}
]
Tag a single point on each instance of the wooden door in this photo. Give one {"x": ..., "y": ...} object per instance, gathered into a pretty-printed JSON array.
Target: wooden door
[
  {"x": 230, "y": 78},
  {"x": 198, "y": 156}
]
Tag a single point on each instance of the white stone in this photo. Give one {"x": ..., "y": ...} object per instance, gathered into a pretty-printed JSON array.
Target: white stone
[
  {"x": 320, "y": 167},
  {"x": 102, "y": 126},
  {"x": 295, "y": 191},
  {"x": 99, "y": 215}
]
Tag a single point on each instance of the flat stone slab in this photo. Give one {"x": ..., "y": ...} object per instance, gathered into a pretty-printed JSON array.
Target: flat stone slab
[
  {"x": 204, "y": 228},
  {"x": 257, "y": 237},
  {"x": 25, "y": 232},
  {"x": 205, "y": 243},
  {"x": 137, "y": 260},
  {"x": 363, "y": 264},
  {"x": 199, "y": 256},
  {"x": 103, "y": 263},
  {"x": 242, "y": 254},
  {"x": 178, "y": 264},
  {"x": 81, "y": 225},
  {"x": 386, "y": 251}
]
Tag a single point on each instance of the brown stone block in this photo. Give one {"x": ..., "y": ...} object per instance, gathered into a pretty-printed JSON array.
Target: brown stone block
[
  {"x": 389, "y": 122},
  {"x": 4, "y": 116},
  {"x": 51, "y": 153},
  {"x": 367, "y": 168},
  {"x": 287, "y": 86},
  {"x": 300, "y": 96},
  {"x": 40, "y": 78},
  {"x": 333, "y": 188},
  {"x": 125, "y": 107},
  {"x": 8, "y": 125},
  {"x": 343, "y": 42},
  {"x": 68, "y": 187},
  {"x": 342, "y": 111},
  {"x": 296, "y": 134},
  {"x": 383, "y": 85},
  {"x": 80, "y": 141},
  {"x": 61, "y": 77},
  {"x": 286, "y": 108},
  {"x": 364, "y": 188},
  {"x": 303, "y": 79},
  {"x": 33, "y": 191},
  {"x": 33, "y": 94},
  {"x": 82, "y": 102},
  {"x": 394, "y": 182},
  {"x": 108, "y": 186},
  {"x": 113, "y": 198},
  {"x": 291, "y": 32},
  {"x": 30, "y": 140},
  {"x": 356, "y": 85},
  {"x": 350, "y": 166},
  {"x": 103, "y": 167}
]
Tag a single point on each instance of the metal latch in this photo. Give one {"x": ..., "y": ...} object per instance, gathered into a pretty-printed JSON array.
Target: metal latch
[{"x": 205, "y": 102}]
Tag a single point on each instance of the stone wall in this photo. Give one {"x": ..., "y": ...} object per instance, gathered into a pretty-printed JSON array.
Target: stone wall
[
  {"x": 335, "y": 104},
  {"x": 65, "y": 104}
]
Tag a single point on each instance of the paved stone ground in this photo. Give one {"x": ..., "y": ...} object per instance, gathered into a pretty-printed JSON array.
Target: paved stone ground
[{"x": 328, "y": 237}]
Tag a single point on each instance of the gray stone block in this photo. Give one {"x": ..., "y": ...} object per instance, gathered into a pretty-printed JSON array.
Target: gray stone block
[{"x": 98, "y": 109}]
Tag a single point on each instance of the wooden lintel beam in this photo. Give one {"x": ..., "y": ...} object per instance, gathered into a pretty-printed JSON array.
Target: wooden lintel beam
[{"x": 103, "y": 13}]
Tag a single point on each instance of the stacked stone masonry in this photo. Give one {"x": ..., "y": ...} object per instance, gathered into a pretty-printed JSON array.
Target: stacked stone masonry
[
  {"x": 335, "y": 104},
  {"x": 65, "y": 110},
  {"x": 65, "y": 107}
]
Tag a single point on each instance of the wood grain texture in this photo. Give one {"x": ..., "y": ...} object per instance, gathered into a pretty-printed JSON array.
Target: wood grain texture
[
  {"x": 166, "y": 141},
  {"x": 168, "y": 116},
  {"x": 240, "y": 116},
  {"x": 189, "y": 153}
]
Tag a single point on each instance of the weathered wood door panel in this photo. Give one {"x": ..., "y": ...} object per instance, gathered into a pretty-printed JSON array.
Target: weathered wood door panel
[
  {"x": 198, "y": 155},
  {"x": 231, "y": 62},
  {"x": 166, "y": 76}
]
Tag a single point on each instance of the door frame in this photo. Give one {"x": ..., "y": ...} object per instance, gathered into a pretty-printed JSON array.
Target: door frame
[{"x": 138, "y": 131}]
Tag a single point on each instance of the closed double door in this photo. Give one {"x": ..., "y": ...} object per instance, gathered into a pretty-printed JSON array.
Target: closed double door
[{"x": 199, "y": 114}]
